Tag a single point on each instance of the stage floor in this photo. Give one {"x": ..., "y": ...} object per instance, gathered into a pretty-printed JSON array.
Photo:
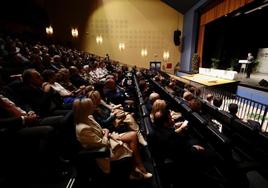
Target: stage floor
[{"x": 253, "y": 81}]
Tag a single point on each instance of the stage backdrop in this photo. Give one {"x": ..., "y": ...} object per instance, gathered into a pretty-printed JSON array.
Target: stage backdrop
[{"x": 263, "y": 59}]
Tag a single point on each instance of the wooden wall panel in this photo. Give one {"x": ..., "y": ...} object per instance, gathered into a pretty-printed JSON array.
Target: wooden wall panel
[{"x": 218, "y": 10}]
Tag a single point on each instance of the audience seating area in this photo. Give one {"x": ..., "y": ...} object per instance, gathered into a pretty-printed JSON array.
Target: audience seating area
[{"x": 39, "y": 85}]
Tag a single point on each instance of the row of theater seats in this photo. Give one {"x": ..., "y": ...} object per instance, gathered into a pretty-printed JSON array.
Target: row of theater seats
[
  {"x": 241, "y": 147},
  {"x": 247, "y": 137}
]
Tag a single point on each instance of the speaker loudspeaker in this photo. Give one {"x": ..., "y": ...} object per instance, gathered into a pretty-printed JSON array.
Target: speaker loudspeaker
[
  {"x": 263, "y": 83},
  {"x": 177, "y": 35}
]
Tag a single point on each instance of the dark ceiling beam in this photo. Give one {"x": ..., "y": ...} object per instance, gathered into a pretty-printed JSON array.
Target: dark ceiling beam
[{"x": 181, "y": 5}]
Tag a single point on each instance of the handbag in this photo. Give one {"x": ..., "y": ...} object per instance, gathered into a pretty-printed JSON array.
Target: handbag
[{"x": 119, "y": 149}]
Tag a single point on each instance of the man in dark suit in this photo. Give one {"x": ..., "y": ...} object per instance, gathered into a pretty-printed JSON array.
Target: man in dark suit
[
  {"x": 250, "y": 59},
  {"x": 20, "y": 135},
  {"x": 45, "y": 102}
]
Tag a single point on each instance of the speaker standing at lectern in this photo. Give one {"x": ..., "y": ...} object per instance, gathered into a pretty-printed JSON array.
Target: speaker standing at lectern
[{"x": 250, "y": 59}]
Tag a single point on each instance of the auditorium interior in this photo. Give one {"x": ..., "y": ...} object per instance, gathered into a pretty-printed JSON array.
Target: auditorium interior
[{"x": 133, "y": 93}]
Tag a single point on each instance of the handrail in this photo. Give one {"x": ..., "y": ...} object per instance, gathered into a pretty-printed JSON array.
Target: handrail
[{"x": 248, "y": 108}]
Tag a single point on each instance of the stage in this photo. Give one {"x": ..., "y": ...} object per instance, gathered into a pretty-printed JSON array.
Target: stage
[
  {"x": 242, "y": 86},
  {"x": 200, "y": 80}
]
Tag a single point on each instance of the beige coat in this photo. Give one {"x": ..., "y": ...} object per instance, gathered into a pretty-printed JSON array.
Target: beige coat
[{"x": 91, "y": 137}]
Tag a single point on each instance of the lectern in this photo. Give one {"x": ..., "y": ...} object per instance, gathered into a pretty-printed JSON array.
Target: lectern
[{"x": 243, "y": 65}]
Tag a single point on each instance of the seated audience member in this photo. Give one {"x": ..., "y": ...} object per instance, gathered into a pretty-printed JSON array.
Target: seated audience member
[
  {"x": 233, "y": 109},
  {"x": 36, "y": 61},
  {"x": 24, "y": 134},
  {"x": 128, "y": 85},
  {"x": 217, "y": 101},
  {"x": 50, "y": 82},
  {"x": 113, "y": 93},
  {"x": 187, "y": 96},
  {"x": 144, "y": 88},
  {"x": 168, "y": 135},
  {"x": 62, "y": 121},
  {"x": 209, "y": 98},
  {"x": 45, "y": 102},
  {"x": 112, "y": 116},
  {"x": 75, "y": 78},
  {"x": 152, "y": 97},
  {"x": 90, "y": 134},
  {"x": 161, "y": 112},
  {"x": 86, "y": 75},
  {"x": 46, "y": 60},
  {"x": 195, "y": 105},
  {"x": 171, "y": 87},
  {"x": 197, "y": 92},
  {"x": 192, "y": 89},
  {"x": 57, "y": 62},
  {"x": 63, "y": 77},
  {"x": 187, "y": 87}
]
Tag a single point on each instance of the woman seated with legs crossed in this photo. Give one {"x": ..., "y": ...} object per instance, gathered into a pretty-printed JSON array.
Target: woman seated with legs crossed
[
  {"x": 91, "y": 136},
  {"x": 113, "y": 116}
]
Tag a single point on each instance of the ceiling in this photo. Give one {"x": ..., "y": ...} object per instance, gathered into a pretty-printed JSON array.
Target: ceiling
[{"x": 181, "y": 5}]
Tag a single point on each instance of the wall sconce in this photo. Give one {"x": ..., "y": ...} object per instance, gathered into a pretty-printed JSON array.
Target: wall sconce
[
  {"x": 121, "y": 46},
  {"x": 74, "y": 32},
  {"x": 166, "y": 55},
  {"x": 144, "y": 52},
  {"x": 99, "y": 40},
  {"x": 49, "y": 30}
]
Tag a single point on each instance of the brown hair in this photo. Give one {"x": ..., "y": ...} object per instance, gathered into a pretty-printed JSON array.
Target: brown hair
[
  {"x": 195, "y": 105},
  {"x": 82, "y": 108},
  {"x": 187, "y": 95},
  {"x": 94, "y": 96}
]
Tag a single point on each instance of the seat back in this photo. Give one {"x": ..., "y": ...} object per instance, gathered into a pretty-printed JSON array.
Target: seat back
[{"x": 209, "y": 109}]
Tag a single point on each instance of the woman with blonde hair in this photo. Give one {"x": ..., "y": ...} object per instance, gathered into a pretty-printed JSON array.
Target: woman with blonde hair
[
  {"x": 90, "y": 134},
  {"x": 160, "y": 114},
  {"x": 169, "y": 138},
  {"x": 113, "y": 116}
]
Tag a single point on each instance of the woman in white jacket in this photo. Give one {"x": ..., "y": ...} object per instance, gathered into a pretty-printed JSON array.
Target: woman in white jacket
[{"x": 90, "y": 134}]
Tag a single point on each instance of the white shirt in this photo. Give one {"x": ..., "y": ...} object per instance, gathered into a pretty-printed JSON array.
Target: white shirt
[{"x": 60, "y": 89}]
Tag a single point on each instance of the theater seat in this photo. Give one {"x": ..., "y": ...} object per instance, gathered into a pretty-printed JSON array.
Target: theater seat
[
  {"x": 224, "y": 117},
  {"x": 88, "y": 173},
  {"x": 209, "y": 109},
  {"x": 185, "y": 110}
]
